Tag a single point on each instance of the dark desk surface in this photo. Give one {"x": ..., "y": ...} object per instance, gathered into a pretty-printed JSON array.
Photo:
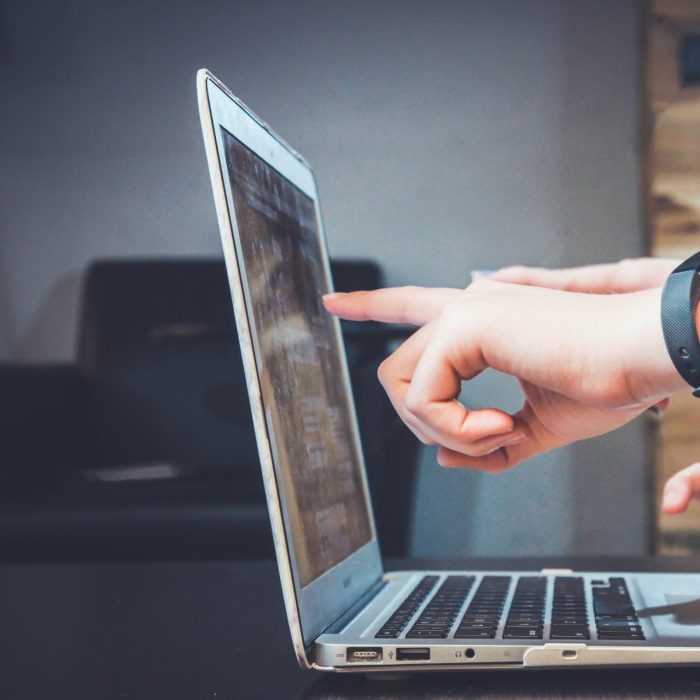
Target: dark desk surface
[{"x": 218, "y": 630}]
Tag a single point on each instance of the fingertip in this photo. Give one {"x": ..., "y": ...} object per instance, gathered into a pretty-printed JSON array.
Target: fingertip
[
  {"x": 494, "y": 463},
  {"x": 676, "y": 497},
  {"x": 670, "y": 509},
  {"x": 448, "y": 459},
  {"x": 345, "y": 305},
  {"x": 330, "y": 300}
]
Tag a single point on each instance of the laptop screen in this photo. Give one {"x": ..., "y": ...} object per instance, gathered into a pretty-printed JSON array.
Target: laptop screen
[{"x": 299, "y": 365}]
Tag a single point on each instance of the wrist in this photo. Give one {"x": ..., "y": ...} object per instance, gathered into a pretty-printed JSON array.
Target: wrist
[{"x": 649, "y": 371}]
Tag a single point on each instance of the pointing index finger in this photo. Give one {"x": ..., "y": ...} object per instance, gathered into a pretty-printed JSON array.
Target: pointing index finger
[{"x": 412, "y": 305}]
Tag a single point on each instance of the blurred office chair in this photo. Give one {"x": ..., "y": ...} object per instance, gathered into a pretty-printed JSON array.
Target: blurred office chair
[{"x": 145, "y": 449}]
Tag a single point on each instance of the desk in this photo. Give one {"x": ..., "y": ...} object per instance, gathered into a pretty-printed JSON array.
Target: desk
[{"x": 198, "y": 630}]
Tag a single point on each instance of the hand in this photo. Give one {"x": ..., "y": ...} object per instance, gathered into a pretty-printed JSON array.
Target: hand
[
  {"x": 587, "y": 364},
  {"x": 625, "y": 276},
  {"x": 629, "y": 275},
  {"x": 680, "y": 489}
]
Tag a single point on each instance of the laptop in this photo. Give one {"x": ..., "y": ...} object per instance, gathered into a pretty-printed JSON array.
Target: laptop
[{"x": 345, "y": 612}]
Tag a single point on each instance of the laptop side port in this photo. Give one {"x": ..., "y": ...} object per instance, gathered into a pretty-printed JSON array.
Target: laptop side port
[
  {"x": 412, "y": 654},
  {"x": 364, "y": 655}
]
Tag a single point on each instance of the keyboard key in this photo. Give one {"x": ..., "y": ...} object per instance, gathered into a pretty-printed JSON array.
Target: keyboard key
[
  {"x": 621, "y": 636},
  {"x": 426, "y": 634},
  {"x": 616, "y": 618},
  {"x": 475, "y": 633},
  {"x": 569, "y": 622},
  {"x": 523, "y": 619},
  {"x": 513, "y": 632},
  {"x": 569, "y": 632},
  {"x": 618, "y": 625},
  {"x": 612, "y": 608},
  {"x": 479, "y": 625}
]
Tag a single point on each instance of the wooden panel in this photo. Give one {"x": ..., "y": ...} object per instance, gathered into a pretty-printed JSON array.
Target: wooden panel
[{"x": 674, "y": 160}]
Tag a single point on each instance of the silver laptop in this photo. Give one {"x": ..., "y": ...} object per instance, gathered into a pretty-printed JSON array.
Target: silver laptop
[{"x": 345, "y": 612}]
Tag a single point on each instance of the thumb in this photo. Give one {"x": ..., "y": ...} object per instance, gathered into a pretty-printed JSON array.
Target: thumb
[{"x": 680, "y": 488}]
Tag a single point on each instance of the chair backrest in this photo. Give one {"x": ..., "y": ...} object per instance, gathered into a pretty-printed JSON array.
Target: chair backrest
[
  {"x": 158, "y": 347},
  {"x": 159, "y": 351}
]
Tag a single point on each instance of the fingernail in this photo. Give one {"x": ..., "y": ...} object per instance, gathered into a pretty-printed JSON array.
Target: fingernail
[
  {"x": 672, "y": 499},
  {"x": 671, "y": 496},
  {"x": 333, "y": 295}
]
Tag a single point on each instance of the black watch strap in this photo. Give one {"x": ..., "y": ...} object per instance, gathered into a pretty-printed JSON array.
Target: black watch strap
[{"x": 678, "y": 301}]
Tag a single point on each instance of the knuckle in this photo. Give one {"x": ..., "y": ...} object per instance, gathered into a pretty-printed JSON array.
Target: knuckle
[
  {"x": 383, "y": 371},
  {"x": 451, "y": 315},
  {"x": 415, "y": 404},
  {"x": 407, "y": 293}
]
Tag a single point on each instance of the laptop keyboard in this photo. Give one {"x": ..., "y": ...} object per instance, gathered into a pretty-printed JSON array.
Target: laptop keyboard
[
  {"x": 615, "y": 616},
  {"x": 480, "y": 620},
  {"x": 439, "y": 615}
]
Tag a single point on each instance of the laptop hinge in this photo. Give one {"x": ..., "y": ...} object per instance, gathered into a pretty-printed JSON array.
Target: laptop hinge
[
  {"x": 556, "y": 572},
  {"x": 353, "y": 611}
]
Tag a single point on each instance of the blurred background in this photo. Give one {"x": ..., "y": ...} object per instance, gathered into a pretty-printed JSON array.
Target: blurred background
[
  {"x": 446, "y": 136},
  {"x": 672, "y": 104}
]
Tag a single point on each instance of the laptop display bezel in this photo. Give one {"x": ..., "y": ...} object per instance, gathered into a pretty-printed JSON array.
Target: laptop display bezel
[{"x": 313, "y": 607}]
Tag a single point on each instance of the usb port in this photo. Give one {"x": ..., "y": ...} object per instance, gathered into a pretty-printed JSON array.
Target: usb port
[
  {"x": 412, "y": 654},
  {"x": 363, "y": 655}
]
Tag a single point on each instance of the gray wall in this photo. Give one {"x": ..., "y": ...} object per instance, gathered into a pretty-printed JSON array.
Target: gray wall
[{"x": 446, "y": 136}]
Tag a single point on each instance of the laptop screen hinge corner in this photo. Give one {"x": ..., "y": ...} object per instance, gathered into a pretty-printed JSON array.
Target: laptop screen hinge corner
[{"x": 354, "y": 610}]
